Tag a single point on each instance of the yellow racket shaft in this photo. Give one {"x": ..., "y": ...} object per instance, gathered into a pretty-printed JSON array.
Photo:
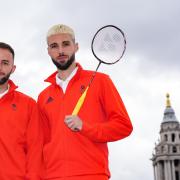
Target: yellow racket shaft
[{"x": 80, "y": 102}]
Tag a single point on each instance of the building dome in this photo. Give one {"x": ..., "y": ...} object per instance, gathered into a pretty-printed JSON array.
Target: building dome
[
  {"x": 169, "y": 114},
  {"x": 166, "y": 155}
]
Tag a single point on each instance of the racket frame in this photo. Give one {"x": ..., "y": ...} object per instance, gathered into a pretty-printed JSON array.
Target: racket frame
[
  {"x": 124, "y": 38},
  {"x": 83, "y": 96}
]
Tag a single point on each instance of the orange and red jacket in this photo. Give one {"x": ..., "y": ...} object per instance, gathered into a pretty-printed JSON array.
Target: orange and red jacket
[
  {"x": 105, "y": 119},
  {"x": 20, "y": 137}
]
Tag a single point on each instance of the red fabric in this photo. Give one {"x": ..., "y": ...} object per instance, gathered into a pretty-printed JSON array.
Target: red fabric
[
  {"x": 87, "y": 177},
  {"x": 104, "y": 116},
  {"x": 20, "y": 137}
]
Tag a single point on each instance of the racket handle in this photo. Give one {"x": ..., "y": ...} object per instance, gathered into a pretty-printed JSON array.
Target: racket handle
[{"x": 80, "y": 102}]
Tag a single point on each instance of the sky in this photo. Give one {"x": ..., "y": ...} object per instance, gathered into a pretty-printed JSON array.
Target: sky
[{"x": 148, "y": 70}]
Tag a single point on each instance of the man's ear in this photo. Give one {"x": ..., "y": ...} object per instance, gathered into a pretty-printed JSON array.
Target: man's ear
[
  {"x": 13, "y": 69},
  {"x": 76, "y": 47}
]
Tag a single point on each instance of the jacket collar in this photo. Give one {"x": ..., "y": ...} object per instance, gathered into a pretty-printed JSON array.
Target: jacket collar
[
  {"x": 12, "y": 86},
  {"x": 52, "y": 78}
]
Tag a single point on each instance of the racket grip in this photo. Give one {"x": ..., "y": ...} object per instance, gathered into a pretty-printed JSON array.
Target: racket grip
[{"x": 80, "y": 102}]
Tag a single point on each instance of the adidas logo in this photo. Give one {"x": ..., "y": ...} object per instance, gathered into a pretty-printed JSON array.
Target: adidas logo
[
  {"x": 50, "y": 99},
  {"x": 14, "y": 107}
]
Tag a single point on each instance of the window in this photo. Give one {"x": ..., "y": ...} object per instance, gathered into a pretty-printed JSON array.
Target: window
[
  {"x": 177, "y": 175},
  {"x": 173, "y": 137},
  {"x": 165, "y": 137},
  {"x": 176, "y": 162},
  {"x": 174, "y": 149}
]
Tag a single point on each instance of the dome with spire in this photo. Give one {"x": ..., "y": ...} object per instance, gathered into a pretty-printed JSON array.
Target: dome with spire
[
  {"x": 166, "y": 154},
  {"x": 169, "y": 114}
]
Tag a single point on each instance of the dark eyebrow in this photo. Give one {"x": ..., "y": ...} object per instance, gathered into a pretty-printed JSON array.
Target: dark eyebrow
[
  {"x": 52, "y": 44},
  {"x": 66, "y": 41}
]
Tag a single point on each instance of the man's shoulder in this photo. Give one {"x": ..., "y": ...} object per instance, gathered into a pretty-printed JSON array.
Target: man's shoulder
[
  {"x": 91, "y": 72},
  {"x": 46, "y": 91},
  {"x": 20, "y": 96}
]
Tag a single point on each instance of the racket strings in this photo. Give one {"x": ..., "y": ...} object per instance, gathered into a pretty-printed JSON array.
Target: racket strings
[{"x": 109, "y": 45}]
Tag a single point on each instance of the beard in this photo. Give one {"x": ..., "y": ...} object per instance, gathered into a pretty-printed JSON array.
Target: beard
[
  {"x": 65, "y": 66},
  {"x": 5, "y": 79}
]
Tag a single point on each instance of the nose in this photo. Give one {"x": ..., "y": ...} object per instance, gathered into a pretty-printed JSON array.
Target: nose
[{"x": 60, "y": 50}]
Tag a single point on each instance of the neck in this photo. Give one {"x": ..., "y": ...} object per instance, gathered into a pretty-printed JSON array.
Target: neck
[
  {"x": 3, "y": 87},
  {"x": 64, "y": 74}
]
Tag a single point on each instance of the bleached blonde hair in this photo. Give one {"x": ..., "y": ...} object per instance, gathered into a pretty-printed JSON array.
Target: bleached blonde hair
[{"x": 60, "y": 29}]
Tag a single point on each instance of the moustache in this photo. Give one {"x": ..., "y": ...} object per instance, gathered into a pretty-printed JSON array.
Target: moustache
[
  {"x": 2, "y": 74},
  {"x": 62, "y": 56}
]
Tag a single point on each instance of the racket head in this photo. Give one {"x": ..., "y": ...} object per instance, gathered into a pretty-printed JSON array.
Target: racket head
[{"x": 109, "y": 44}]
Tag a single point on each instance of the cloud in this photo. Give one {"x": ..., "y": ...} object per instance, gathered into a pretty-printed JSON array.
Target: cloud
[{"x": 148, "y": 70}]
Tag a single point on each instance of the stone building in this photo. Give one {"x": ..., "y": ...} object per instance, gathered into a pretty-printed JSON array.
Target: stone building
[{"x": 166, "y": 155}]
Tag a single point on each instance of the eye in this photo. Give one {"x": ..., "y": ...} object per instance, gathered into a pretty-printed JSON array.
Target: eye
[
  {"x": 66, "y": 43},
  {"x": 5, "y": 62}
]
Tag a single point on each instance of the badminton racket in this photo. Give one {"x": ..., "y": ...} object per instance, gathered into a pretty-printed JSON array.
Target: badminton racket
[{"x": 108, "y": 46}]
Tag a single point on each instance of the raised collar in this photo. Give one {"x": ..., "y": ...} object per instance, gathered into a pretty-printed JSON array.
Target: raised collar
[
  {"x": 52, "y": 78},
  {"x": 12, "y": 86}
]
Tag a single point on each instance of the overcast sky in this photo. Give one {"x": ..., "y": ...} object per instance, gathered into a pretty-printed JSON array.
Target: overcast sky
[{"x": 148, "y": 70}]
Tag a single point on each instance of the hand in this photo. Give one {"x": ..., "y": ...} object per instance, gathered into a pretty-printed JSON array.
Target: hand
[{"x": 73, "y": 122}]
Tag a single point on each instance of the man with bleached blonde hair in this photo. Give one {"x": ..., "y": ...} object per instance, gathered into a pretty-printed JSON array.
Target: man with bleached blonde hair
[
  {"x": 62, "y": 29},
  {"x": 75, "y": 146}
]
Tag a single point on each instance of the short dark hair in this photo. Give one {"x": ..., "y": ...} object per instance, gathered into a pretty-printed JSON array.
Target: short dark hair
[{"x": 8, "y": 47}]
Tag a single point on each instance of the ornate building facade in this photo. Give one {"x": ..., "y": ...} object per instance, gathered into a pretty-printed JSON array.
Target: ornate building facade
[{"x": 166, "y": 156}]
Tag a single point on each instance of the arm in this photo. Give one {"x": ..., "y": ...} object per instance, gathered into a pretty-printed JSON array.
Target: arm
[
  {"x": 34, "y": 143},
  {"x": 45, "y": 125},
  {"x": 117, "y": 124}
]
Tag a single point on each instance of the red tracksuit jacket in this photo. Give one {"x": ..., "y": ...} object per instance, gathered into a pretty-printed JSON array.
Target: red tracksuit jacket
[
  {"x": 20, "y": 137},
  {"x": 104, "y": 116}
]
